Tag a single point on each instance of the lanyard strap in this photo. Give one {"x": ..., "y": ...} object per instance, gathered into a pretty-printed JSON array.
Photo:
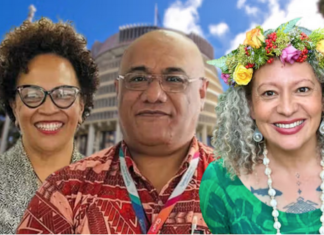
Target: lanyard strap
[{"x": 174, "y": 198}]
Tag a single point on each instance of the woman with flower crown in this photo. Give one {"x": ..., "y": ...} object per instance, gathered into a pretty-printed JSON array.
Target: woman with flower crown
[{"x": 270, "y": 135}]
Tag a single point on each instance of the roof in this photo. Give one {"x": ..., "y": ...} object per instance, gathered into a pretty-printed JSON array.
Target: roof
[{"x": 128, "y": 34}]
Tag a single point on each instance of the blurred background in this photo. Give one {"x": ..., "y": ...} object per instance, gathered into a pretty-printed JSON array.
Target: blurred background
[{"x": 110, "y": 26}]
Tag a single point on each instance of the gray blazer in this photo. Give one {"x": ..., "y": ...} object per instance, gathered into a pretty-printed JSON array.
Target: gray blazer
[{"x": 18, "y": 184}]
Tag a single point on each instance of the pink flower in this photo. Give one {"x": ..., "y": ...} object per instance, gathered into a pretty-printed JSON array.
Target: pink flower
[
  {"x": 290, "y": 54},
  {"x": 225, "y": 77}
]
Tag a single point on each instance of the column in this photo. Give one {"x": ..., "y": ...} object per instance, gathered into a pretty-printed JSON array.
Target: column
[
  {"x": 119, "y": 135},
  {"x": 204, "y": 134},
  {"x": 91, "y": 136},
  {"x": 98, "y": 141},
  {"x": 77, "y": 142},
  {"x": 198, "y": 133},
  {"x": 4, "y": 136}
]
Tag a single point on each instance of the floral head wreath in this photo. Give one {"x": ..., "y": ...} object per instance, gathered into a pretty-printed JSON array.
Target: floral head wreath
[{"x": 288, "y": 42}]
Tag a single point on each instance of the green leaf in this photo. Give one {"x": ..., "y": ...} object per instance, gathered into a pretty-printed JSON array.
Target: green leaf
[
  {"x": 305, "y": 31},
  {"x": 220, "y": 63},
  {"x": 286, "y": 27},
  {"x": 311, "y": 44}
]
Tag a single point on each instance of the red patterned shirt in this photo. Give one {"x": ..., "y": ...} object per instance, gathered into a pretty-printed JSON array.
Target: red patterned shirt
[{"x": 90, "y": 197}]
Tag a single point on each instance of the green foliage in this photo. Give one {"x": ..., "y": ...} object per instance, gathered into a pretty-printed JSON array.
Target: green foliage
[
  {"x": 220, "y": 63},
  {"x": 277, "y": 52},
  {"x": 260, "y": 57},
  {"x": 304, "y": 30},
  {"x": 283, "y": 40},
  {"x": 299, "y": 45},
  {"x": 287, "y": 27},
  {"x": 287, "y": 34},
  {"x": 317, "y": 35},
  {"x": 242, "y": 58},
  {"x": 320, "y": 59},
  {"x": 231, "y": 64}
]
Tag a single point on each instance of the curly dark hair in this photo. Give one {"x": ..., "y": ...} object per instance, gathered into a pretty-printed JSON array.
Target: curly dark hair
[
  {"x": 320, "y": 6},
  {"x": 30, "y": 39}
]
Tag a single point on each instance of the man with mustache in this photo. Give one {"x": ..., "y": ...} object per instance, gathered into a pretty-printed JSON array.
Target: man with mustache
[{"x": 149, "y": 182}]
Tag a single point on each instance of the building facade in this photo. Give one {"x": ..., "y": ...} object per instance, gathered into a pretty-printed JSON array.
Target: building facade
[{"x": 101, "y": 129}]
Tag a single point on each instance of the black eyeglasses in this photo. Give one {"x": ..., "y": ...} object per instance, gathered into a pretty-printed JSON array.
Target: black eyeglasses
[
  {"x": 34, "y": 96},
  {"x": 169, "y": 82}
]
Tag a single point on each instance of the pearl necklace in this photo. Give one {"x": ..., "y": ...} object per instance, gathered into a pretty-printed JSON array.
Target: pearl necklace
[{"x": 272, "y": 193}]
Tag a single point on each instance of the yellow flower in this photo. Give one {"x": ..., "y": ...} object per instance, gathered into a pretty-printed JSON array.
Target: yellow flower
[
  {"x": 254, "y": 38},
  {"x": 242, "y": 75},
  {"x": 320, "y": 46}
]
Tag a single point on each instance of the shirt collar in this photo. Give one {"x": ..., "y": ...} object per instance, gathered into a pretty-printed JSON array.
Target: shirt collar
[{"x": 194, "y": 147}]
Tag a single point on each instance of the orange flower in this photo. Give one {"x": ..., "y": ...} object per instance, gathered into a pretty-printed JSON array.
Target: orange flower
[{"x": 254, "y": 38}]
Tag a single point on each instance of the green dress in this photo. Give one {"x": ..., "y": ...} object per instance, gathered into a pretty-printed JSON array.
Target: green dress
[{"x": 229, "y": 207}]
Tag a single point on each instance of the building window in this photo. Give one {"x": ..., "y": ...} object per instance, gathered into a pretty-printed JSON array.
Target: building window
[
  {"x": 103, "y": 115},
  {"x": 104, "y": 65},
  {"x": 108, "y": 77},
  {"x": 106, "y": 89},
  {"x": 207, "y": 119},
  {"x": 209, "y": 108}
]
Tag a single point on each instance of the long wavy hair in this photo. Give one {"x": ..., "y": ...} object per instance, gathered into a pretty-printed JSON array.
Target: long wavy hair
[{"x": 233, "y": 134}]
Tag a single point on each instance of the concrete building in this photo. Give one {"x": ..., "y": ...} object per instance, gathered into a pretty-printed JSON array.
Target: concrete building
[{"x": 101, "y": 129}]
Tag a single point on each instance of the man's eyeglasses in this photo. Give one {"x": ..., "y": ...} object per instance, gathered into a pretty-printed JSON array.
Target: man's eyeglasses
[
  {"x": 168, "y": 82},
  {"x": 34, "y": 96}
]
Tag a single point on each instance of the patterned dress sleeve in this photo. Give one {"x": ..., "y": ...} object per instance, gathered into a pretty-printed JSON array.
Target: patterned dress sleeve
[
  {"x": 212, "y": 196},
  {"x": 49, "y": 211}
]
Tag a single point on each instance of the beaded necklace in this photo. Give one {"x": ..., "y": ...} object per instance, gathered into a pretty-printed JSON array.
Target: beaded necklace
[{"x": 272, "y": 193}]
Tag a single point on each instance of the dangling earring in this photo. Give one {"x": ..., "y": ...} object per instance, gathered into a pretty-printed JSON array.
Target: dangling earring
[
  {"x": 321, "y": 129},
  {"x": 257, "y": 136}
]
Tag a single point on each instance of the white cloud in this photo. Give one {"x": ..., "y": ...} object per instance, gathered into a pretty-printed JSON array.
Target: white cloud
[
  {"x": 276, "y": 16},
  {"x": 240, "y": 3},
  {"x": 218, "y": 29},
  {"x": 251, "y": 10},
  {"x": 311, "y": 18},
  {"x": 183, "y": 16}
]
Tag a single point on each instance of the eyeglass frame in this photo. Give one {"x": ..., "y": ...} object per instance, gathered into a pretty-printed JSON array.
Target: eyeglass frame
[
  {"x": 151, "y": 76},
  {"x": 49, "y": 93}
]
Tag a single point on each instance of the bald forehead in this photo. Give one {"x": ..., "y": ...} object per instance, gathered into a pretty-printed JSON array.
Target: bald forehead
[
  {"x": 163, "y": 36},
  {"x": 160, "y": 49}
]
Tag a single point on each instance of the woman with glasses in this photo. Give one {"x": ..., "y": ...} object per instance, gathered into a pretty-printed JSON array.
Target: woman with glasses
[{"x": 47, "y": 82}]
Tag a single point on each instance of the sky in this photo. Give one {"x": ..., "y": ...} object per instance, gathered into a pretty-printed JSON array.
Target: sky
[{"x": 221, "y": 22}]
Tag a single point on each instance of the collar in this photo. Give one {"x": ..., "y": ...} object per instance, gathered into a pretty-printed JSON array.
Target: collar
[{"x": 131, "y": 165}]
